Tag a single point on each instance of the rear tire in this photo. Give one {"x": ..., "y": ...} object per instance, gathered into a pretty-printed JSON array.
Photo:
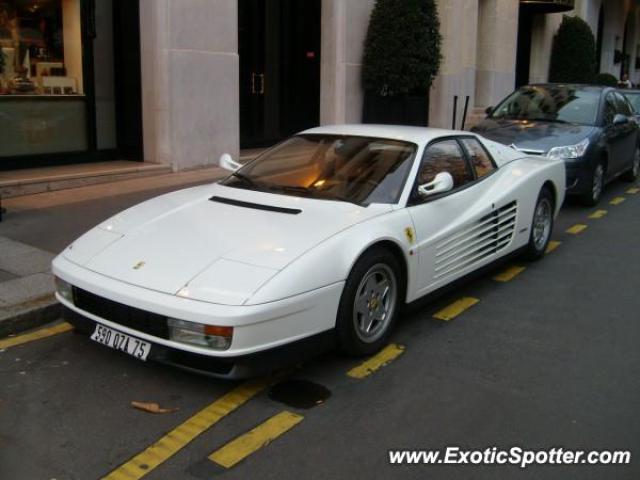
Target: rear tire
[
  {"x": 369, "y": 303},
  {"x": 541, "y": 225},
  {"x": 592, "y": 197},
  {"x": 632, "y": 174}
]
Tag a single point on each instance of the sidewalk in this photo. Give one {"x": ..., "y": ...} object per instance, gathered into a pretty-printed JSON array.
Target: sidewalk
[
  {"x": 36, "y": 228},
  {"x": 26, "y": 287}
]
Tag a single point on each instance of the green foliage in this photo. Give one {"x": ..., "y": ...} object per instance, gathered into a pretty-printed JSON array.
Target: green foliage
[
  {"x": 573, "y": 56},
  {"x": 402, "y": 48},
  {"x": 606, "y": 80}
]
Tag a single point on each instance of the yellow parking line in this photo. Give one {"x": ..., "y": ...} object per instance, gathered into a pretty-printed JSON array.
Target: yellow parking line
[
  {"x": 382, "y": 358},
  {"x": 598, "y": 214},
  {"x": 633, "y": 191},
  {"x": 455, "y": 309},
  {"x": 576, "y": 229},
  {"x": 252, "y": 441},
  {"x": 552, "y": 246},
  {"x": 35, "y": 335},
  {"x": 617, "y": 201},
  {"x": 509, "y": 274},
  {"x": 183, "y": 434}
]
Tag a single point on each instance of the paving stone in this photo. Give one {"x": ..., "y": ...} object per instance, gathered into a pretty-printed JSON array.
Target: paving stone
[
  {"x": 26, "y": 263},
  {"x": 21, "y": 290},
  {"x": 4, "y": 276},
  {"x": 21, "y": 260}
]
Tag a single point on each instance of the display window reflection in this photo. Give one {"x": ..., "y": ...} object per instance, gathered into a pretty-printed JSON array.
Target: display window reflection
[{"x": 41, "y": 47}]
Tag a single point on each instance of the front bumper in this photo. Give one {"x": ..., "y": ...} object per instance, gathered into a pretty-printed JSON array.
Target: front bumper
[
  {"x": 578, "y": 178},
  {"x": 242, "y": 366},
  {"x": 257, "y": 328}
]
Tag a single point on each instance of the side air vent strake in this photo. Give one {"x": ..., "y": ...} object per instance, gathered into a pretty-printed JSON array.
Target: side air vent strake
[{"x": 474, "y": 243}]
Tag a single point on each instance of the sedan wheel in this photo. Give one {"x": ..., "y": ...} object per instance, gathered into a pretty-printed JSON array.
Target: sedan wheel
[
  {"x": 541, "y": 225},
  {"x": 632, "y": 174},
  {"x": 369, "y": 302},
  {"x": 592, "y": 197}
]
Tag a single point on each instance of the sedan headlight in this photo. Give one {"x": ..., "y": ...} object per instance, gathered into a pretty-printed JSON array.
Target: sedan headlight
[
  {"x": 570, "y": 151},
  {"x": 209, "y": 336},
  {"x": 64, "y": 289}
]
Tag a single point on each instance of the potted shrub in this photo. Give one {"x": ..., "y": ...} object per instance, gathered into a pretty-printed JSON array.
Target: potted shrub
[
  {"x": 401, "y": 59},
  {"x": 573, "y": 55},
  {"x": 606, "y": 80}
]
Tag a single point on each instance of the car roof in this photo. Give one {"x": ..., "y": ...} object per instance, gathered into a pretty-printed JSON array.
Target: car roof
[{"x": 418, "y": 135}]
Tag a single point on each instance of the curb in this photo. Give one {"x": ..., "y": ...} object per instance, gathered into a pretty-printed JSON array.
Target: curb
[{"x": 29, "y": 315}]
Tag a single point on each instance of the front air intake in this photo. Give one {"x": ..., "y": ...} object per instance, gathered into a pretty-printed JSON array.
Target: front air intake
[{"x": 255, "y": 206}]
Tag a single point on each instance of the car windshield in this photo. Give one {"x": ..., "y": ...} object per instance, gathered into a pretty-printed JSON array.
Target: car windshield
[
  {"x": 359, "y": 170},
  {"x": 552, "y": 103},
  {"x": 634, "y": 99}
]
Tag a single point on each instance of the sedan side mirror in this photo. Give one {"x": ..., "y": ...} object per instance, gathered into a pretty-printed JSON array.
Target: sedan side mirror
[
  {"x": 228, "y": 163},
  {"x": 441, "y": 184},
  {"x": 488, "y": 111},
  {"x": 620, "y": 119}
]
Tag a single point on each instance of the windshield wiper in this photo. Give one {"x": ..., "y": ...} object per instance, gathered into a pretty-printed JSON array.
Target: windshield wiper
[
  {"x": 244, "y": 178},
  {"x": 546, "y": 119}
]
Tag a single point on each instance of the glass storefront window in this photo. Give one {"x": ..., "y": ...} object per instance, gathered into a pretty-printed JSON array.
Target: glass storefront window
[
  {"x": 42, "y": 103},
  {"x": 41, "y": 47}
]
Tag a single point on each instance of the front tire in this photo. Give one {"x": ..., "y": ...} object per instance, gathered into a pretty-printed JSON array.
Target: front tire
[
  {"x": 632, "y": 174},
  {"x": 369, "y": 303},
  {"x": 541, "y": 225},
  {"x": 592, "y": 197}
]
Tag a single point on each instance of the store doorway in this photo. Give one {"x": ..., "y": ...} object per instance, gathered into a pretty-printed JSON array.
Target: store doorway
[{"x": 279, "y": 48}]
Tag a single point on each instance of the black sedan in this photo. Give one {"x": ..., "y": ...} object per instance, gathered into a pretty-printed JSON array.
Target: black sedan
[{"x": 593, "y": 129}]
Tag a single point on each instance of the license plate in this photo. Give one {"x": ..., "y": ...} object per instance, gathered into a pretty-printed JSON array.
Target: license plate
[{"x": 121, "y": 341}]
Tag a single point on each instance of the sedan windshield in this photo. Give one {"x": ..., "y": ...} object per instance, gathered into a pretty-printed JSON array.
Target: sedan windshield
[
  {"x": 359, "y": 170},
  {"x": 551, "y": 103}
]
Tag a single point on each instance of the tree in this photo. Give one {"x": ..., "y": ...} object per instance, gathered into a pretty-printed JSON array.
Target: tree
[
  {"x": 402, "y": 48},
  {"x": 573, "y": 55}
]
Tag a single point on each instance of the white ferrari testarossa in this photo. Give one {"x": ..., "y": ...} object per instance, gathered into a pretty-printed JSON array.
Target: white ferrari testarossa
[{"x": 319, "y": 239}]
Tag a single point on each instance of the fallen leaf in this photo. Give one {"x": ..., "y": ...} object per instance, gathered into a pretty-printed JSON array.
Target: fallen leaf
[{"x": 152, "y": 407}]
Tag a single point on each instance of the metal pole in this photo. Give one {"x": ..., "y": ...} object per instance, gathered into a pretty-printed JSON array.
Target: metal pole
[
  {"x": 464, "y": 115},
  {"x": 455, "y": 110}
]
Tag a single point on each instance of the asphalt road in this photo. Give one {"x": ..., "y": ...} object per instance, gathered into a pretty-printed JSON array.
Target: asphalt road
[{"x": 547, "y": 359}]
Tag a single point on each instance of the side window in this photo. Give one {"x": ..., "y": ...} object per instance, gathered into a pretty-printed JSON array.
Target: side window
[
  {"x": 623, "y": 105},
  {"x": 610, "y": 109},
  {"x": 445, "y": 156},
  {"x": 479, "y": 157}
]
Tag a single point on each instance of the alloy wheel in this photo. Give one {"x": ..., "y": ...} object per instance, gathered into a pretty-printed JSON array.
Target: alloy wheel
[{"x": 375, "y": 303}]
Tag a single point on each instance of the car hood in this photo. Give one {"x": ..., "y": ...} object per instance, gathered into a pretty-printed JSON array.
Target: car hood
[
  {"x": 218, "y": 251},
  {"x": 536, "y": 136}
]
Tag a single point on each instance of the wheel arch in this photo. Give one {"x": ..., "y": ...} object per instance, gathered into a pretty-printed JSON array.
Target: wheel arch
[{"x": 397, "y": 251}]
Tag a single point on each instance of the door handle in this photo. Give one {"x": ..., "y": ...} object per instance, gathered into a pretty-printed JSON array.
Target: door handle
[
  {"x": 261, "y": 83},
  {"x": 253, "y": 83}
]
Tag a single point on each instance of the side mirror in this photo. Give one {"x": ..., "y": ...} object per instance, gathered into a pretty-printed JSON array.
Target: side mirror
[
  {"x": 488, "y": 111},
  {"x": 441, "y": 184},
  {"x": 620, "y": 119},
  {"x": 228, "y": 163}
]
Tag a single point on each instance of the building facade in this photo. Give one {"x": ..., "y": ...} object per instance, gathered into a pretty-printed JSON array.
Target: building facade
[{"x": 180, "y": 82}]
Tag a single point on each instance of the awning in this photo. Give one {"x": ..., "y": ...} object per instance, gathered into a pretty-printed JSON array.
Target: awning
[{"x": 547, "y": 6}]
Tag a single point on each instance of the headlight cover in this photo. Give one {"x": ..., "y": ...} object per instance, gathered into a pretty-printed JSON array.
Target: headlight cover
[
  {"x": 64, "y": 289},
  {"x": 569, "y": 151},
  {"x": 209, "y": 336}
]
